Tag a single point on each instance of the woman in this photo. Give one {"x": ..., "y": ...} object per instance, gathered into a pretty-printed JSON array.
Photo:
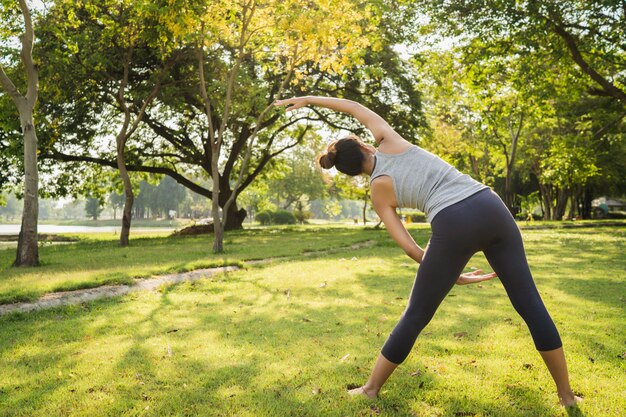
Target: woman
[{"x": 466, "y": 217}]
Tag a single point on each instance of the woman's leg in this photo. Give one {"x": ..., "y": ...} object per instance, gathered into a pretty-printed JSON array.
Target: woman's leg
[
  {"x": 381, "y": 372},
  {"x": 443, "y": 262},
  {"x": 555, "y": 361},
  {"x": 508, "y": 260}
]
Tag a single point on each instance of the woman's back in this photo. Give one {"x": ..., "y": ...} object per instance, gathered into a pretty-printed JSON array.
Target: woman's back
[{"x": 422, "y": 180}]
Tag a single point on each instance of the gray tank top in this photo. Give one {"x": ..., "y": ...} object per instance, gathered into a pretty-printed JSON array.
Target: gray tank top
[{"x": 424, "y": 181}]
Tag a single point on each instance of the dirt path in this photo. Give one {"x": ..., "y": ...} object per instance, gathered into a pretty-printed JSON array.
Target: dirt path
[{"x": 79, "y": 296}]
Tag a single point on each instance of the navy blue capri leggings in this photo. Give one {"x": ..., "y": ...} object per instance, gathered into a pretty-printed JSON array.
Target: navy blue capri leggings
[{"x": 480, "y": 222}]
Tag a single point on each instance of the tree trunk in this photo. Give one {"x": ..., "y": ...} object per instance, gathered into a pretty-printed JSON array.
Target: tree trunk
[
  {"x": 586, "y": 203},
  {"x": 573, "y": 203},
  {"x": 218, "y": 227},
  {"x": 127, "y": 213},
  {"x": 508, "y": 198},
  {"x": 235, "y": 218},
  {"x": 546, "y": 198},
  {"x": 365, "y": 207},
  {"x": 27, "y": 248},
  {"x": 561, "y": 203},
  {"x": 515, "y": 134}
]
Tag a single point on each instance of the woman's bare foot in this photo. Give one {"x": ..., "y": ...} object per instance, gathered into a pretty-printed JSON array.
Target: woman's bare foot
[
  {"x": 362, "y": 391},
  {"x": 569, "y": 400}
]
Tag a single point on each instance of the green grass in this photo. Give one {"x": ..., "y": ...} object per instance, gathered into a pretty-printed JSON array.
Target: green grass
[
  {"x": 98, "y": 260},
  {"x": 286, "y": 339}
]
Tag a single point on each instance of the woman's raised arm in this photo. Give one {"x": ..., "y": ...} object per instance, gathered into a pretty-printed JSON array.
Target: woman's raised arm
[{"x": 376, "y": 124}]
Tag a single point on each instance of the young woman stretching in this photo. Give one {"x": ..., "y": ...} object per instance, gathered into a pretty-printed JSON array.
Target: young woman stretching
[{"x": 466, "y": 217}]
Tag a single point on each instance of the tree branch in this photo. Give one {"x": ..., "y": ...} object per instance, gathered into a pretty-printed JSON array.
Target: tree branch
[
  {"x": 266, "y": 158},
  {"x": 28, "y": 39},
  {"x": 570, "y": 41},
  {"x": 11, "y": 89},
  {"x": 600, "y": 132},
  {"x": 59, "y": 156}
]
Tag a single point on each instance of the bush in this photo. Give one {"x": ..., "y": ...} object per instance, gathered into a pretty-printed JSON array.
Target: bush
[
  {"x": 302, "y": 216},
  {"x": 264, "y": 217},
  {"x": 283, "y": 217}
]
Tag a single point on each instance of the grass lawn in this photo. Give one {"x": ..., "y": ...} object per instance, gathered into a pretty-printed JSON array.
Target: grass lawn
[
  {"x": 98, "y": 260},
  {"x": 287, "y": 338}
]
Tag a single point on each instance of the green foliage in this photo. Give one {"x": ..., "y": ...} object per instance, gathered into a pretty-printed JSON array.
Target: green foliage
[
  {"x": 93, "y": 207},
  {"x": 567, "y": 164},
  {"x": 509, "y": 69},
  {"x": 332, "y": 208},
  {"x": 296, "y": 177},
  {"x": 302, "y": 215},
  {"x": 267, "y": 217},
  {"x": 283, "y": 217},
  {"x": 162, "y": 198},
  {"x": 11, "y": 208},
  {"x": 264, "y": 217},
  {"x": 528, "y": 205}
]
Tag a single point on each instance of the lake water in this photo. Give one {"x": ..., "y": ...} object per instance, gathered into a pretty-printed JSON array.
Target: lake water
[{"x": 14, "y": 229}]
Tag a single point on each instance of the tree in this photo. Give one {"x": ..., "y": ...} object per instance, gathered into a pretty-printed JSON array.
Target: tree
[
  {"x": 353, "y": 188},
  {"x": 248, "y": 31},
  {"x": 27, "y": 248},
  {"x": 160, "y": 198},
  {"x": 173, "y": 137},
  {"x": 561, "y": 140},
  {"x": 590, "y": 35},
  {"x": 116, "y": 201},
  {"x": 119, "y": 34},
  {"x": 300, "y": 178},
  {"x": 93, "y": 207}
]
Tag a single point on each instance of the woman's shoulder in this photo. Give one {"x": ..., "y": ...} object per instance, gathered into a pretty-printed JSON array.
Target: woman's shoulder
[
  {"x": 394, "y": 145},
  {"x": 382, "y": 192}
]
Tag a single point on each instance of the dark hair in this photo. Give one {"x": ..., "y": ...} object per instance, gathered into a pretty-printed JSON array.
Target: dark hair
[{"x": 345, "y": 154}]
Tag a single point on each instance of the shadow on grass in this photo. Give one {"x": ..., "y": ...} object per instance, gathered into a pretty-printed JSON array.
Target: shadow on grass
[{"x": 574, "y": 411}]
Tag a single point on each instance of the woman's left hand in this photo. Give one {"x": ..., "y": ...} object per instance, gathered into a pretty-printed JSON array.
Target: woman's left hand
[
  {"x": 292, "y": 103},
  {"x": 474, "y": 277}
]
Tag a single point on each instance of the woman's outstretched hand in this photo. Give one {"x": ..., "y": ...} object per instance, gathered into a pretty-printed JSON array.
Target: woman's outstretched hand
[
  {"x": 292, "y": 103},
  {"x": 474, "y": 277}
]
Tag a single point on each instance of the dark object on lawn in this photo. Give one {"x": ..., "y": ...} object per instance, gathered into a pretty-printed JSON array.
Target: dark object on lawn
[{"x": 196, "y": 229}]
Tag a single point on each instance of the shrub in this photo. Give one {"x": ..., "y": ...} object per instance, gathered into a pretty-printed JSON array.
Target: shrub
[
  {"x": 302, "y": 216},
  {"x": 264, "y": 217},
  {"x": 283, "y": 217}
]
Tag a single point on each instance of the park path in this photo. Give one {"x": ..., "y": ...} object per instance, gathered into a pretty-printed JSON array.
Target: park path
[
  {"x": 55, "y": 299},
  {"x": 61, "y": 298}
]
